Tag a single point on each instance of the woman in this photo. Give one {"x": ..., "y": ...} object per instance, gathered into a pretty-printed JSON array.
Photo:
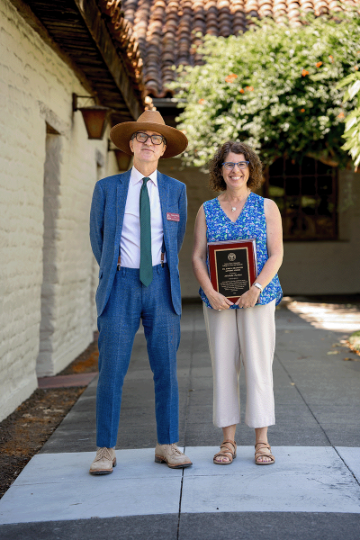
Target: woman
[{"x": 245, "y": 329}]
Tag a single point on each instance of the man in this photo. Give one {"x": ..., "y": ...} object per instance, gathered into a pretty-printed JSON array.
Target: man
[{"x": 137, "y": 226}]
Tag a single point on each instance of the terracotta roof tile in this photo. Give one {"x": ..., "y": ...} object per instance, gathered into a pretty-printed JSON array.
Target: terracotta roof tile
[
  {"x": 126, "y": 42},
  {"x": 166, "y": 33}
]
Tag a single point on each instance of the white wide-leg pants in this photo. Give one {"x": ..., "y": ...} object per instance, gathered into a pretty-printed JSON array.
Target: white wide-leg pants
[{"x": 248, "y": 335}]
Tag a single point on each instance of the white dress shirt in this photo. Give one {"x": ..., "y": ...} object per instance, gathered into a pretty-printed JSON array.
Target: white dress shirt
[{"x": 130, "y": 235}]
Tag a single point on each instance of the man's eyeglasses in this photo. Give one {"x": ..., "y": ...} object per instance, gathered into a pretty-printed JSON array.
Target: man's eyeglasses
[
  {"x": 143, "y": 137},
  {"x": 229, "y": 165}
]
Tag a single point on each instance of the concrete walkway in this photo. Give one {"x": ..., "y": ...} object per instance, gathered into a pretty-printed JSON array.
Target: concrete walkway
[{"x": 312, "y": 491}]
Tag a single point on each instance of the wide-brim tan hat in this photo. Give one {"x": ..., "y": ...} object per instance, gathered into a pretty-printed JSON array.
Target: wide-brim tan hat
[{"x": 176, "y": 141}]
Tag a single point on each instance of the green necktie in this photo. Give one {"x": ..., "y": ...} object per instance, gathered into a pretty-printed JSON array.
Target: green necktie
[{"x": 146, "y": 273}]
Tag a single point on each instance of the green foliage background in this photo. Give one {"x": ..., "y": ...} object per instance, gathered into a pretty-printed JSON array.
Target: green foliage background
[
  {"x": 352, "y": 125},
  {"x": 268, "y": 88}
]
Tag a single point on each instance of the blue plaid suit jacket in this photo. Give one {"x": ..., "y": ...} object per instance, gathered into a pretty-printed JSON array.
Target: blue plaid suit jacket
[{"x": 106, "y": 220}]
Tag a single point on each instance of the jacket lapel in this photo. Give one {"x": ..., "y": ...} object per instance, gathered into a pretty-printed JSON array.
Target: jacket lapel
[
  {"x": 121, "y": 196},
  {"x": 164, "y": 203}
]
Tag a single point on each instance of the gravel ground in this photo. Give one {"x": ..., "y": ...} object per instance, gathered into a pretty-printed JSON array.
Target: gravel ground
[{"x": 26, "y": 430}]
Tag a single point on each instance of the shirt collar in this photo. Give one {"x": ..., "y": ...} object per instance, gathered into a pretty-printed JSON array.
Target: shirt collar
[{"x": 136, "y": 176}]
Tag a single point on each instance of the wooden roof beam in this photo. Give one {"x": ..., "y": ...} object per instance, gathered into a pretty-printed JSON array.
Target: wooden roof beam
[{"x": 31, "y": 19}]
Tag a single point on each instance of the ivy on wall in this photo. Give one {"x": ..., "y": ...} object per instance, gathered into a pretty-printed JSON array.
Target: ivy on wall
[{"x": 275, "y": 87}]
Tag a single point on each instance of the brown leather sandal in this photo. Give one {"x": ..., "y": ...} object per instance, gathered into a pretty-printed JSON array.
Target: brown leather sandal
[
  {"x": 261, "y": 452},
  {"x": 226, "y": 452}
]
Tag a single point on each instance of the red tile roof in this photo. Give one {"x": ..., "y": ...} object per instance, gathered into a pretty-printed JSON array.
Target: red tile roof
[
  {"x": 125, "y": 41},
  {"x": 163, "y": 32}
]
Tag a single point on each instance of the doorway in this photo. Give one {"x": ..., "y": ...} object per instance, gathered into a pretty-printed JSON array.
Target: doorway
[{"x": 52, "y": 166}]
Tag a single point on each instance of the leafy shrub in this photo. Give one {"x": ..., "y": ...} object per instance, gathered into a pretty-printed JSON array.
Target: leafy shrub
[
  {"x": 352, "y": 125},
  {"x": 274, "y": 87}
]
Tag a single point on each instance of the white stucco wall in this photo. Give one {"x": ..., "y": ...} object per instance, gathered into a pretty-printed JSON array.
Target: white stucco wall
[
  {"x": 36, "y": 89},
  {"x": 308, "y": 267}
]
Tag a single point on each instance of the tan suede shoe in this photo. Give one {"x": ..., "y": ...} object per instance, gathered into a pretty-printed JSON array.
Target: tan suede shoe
[
  {"x": 171, "y": 455},
  {"x": 104, "y": 461}
]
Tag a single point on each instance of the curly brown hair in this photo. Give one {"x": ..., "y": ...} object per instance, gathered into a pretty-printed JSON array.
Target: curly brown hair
[{"x": 217, "y": 182}]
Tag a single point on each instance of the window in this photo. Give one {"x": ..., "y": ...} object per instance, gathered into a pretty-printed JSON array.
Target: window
[{"x": 306, "y": 194}]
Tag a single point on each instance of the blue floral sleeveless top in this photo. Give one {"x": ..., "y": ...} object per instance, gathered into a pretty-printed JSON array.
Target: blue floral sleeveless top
[{"x": 251, "y": 223}]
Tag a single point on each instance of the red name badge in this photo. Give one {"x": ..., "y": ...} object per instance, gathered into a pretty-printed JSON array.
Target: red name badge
[{"x": 172, "y": 217}]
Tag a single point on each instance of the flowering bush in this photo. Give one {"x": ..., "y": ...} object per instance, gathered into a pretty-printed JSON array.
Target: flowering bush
[{"x": 274, "y": 87}]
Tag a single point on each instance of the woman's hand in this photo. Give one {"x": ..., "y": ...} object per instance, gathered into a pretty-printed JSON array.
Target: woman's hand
[
  {"x": 218, "y": 301},
  {"x": 249, "y": 298}
]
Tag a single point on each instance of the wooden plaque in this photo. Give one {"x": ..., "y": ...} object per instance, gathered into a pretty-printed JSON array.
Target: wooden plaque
[{"x": 233, "y": 266}]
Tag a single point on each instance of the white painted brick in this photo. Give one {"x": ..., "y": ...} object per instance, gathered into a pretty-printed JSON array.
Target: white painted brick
[{"x": 36, "y": 85}]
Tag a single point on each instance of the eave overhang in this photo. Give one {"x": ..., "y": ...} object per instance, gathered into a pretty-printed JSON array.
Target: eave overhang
[{"x": 78, "y": 31}]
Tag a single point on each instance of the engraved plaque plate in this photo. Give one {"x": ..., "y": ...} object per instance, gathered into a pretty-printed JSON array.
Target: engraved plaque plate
[{"x": 233, "y": 267}]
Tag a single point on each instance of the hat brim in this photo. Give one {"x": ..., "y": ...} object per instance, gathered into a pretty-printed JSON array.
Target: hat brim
[{"x": 176, "y": 141}]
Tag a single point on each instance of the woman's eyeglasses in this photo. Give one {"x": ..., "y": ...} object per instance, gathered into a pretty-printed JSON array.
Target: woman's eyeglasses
[
  {"x": 229, "y": 165},
  {"x": 143, "y": 137}
]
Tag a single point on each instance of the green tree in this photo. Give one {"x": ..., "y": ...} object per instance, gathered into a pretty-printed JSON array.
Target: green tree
[
  {"x": 274, "y": 87},
  {"x": 352, "y": 125}
]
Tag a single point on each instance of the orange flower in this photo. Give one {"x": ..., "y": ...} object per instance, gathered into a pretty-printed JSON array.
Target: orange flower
[
  {"x": 318, "y": 64},
  {"x": 201, "y": 101},
  {"x": 302, "y": 110},
  {"x": 304, "y": 72},
  {"x": 356, "y": 68},
  {"x": 341, "y": 115},
  {"x": 331, "y": 58},
  {"x": 249, "y": 88},
  {"x": 241, "y": 91},
  {"x": 231, "y": 78}
]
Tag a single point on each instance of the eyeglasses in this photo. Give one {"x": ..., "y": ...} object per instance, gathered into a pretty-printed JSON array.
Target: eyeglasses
[
  {"x": 143, "y": 137},
  {"x": 229, "y": 165}
]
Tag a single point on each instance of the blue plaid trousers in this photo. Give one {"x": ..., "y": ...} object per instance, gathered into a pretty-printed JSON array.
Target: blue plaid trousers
[{"x": 129, "y": 302}]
